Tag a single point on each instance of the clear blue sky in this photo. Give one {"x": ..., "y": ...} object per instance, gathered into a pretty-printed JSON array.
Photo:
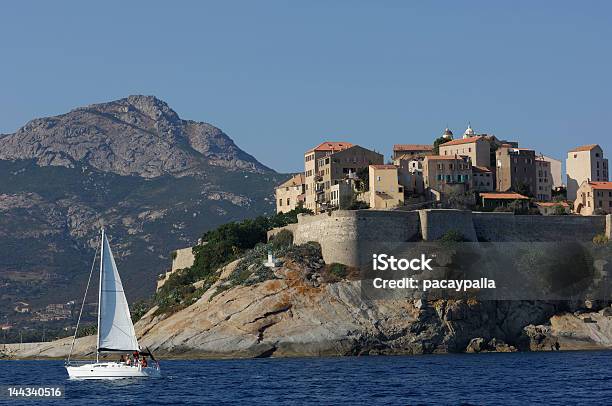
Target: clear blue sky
[{"x": 281, "y": 76}]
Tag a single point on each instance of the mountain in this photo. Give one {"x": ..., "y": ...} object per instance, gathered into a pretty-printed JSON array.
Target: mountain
[
  {"x": 139, "y": 136},
  {"x": 155, "y": 181}
]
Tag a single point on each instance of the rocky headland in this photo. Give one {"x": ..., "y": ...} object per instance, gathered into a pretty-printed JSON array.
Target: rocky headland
[{"x": 308, "y": 308}]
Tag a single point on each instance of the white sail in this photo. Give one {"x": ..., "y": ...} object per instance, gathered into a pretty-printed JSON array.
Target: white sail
[{"x": 115, "y": 328}]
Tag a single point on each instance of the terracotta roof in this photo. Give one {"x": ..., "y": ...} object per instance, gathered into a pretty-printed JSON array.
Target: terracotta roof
[
  {"x": 584, "y": 148},
  {"x": 412, "y": 147},
  {"x": 408, "y": 157},
  {"x": 462, "y": 141},
  {"x": 453, "y": 157},
  {"x": 384, "y": 166},
  {"x": 552, "y": 204},
  {"x": 504, "y": 195},
  {"x": 331, "y": 146},
  {"x": 295, "y": 180},
  {"x": 480, "y": 169},
  {"x": 601, "y": 185}
]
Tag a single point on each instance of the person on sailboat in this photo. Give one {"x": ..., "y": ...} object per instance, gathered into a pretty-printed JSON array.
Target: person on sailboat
[
  {"x": 135, "y": 355},
  {"x": 144, "y": 361}
]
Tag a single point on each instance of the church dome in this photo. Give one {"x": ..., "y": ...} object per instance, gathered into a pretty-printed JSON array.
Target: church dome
[
  {"x": 468, "y": 132},
  {"x": 448, "y": 134}
]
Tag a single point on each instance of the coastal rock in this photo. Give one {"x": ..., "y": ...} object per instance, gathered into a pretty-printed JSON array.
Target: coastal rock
[
  {"x": 290, "y": 316},
  {"x": 591, "y": 330}
]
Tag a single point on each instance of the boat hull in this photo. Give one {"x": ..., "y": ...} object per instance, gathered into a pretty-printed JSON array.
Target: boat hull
[{"x": 111, "y": 370}]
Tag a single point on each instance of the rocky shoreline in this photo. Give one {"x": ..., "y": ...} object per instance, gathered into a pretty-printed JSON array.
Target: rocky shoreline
[{"x": 305, "y": 311}]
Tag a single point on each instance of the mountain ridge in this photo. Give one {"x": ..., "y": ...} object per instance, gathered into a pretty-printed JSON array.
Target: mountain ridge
[
  {"x": 137, "y": 135},
  {"x": 155, "y": 181}
]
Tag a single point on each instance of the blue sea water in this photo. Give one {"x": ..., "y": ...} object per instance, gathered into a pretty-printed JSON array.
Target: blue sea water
[{"x": 514, "y": 379}]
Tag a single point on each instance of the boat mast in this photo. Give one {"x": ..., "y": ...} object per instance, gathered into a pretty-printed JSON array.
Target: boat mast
[{"x": 100, "y": 297}]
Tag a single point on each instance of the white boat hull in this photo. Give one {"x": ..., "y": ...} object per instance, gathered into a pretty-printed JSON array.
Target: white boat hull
[{"x": 111, "y": 370}]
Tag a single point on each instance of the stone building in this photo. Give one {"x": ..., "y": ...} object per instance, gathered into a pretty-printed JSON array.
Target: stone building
[
  {"x": 408, "y": 151},
  {"x": 343, "y": 194},
  {"x": 515, "y": 170},
  {"x": 290, "y": 194},
  {"x": 311, "y": 159},
  {"x": 555, "y": 171},
  {"x": 585, "y": 163},
  {"x": 328, "y": 164},
  {"x": 385, "y": 190},
  {"x": 476, "y": 147},
  {"x": 552, "y": 208},
  {"x": 593, "y": 196},
  {"x": 544, "y": 180},
  {"x": 447, "y": 174},
  {"x": 494, "y": 200},
  {"x": 483, "y": 179},
  {"x": 410, "y": 174}
]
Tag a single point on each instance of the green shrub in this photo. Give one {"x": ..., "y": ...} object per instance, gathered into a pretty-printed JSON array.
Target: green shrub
[
  {"x": 283, "y": 238},
  {"x": 222, "y": 245},
  {"x": 340, "y": 271},
  {"x": 559, "y": 210},
  {"x": 600, "y": 239},
  {"x": 452, "y": 236},
  {"x": 139, "y": 308},
  {"x": 173, "y": 255},
  {"x": 87, "y": 330},
  {"x": 358, "y": 205},
  {"x": 503, "y": 209}
]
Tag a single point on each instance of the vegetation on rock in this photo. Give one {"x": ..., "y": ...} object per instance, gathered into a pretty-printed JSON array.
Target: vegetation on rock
[{"x": 221, "y": 246}]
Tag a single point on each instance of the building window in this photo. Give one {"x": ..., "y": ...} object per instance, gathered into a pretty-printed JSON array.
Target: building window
[
  {"x": 378, "y": 178},
  {"x": 280, "y": 202},
  {"x": 288, "y": 202}
]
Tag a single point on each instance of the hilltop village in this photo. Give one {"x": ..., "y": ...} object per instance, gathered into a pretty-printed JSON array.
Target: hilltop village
[{"x": 476, "y": 171}]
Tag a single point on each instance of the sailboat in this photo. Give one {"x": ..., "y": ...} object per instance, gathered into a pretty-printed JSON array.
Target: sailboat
[{"x": 116, "y": 334}]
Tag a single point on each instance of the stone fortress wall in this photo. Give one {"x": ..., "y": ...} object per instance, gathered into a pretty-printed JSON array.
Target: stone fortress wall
[{"x": 341, "y": 233}]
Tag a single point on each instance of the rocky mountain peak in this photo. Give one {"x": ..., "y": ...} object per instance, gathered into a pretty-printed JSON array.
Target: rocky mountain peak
[{"x": 138, "y": 135}]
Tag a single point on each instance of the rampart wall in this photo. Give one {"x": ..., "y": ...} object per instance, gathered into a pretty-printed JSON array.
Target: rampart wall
[{"x": 343, "y": 233}]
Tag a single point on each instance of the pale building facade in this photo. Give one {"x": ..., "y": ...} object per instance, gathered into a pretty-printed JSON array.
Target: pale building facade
[
  {"x": 544, "y": 180},
  {"x": 476, "y": 147},
  {"x": 311, "y": 159},
  {"x": 446, "y": 174},
  {"x": 290, "y": 194},
  {"x": 585, "y": 163},
  {"x": 333, "y": 163},
  {"x": 555, "y": 171},
  {"x": 385, "y": 190},
  {"x": 592, "y": 196}
]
